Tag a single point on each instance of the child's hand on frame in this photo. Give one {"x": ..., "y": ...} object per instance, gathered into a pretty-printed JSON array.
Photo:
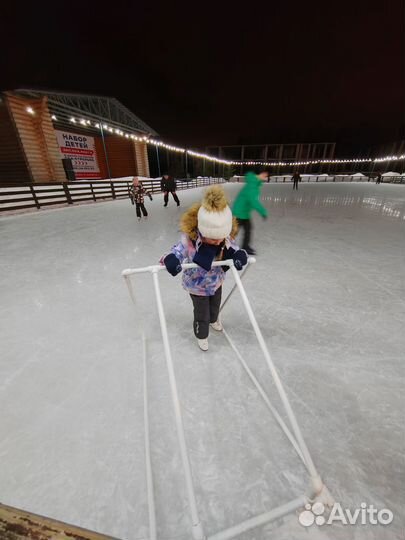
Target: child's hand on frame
[{"x": 172, "y": 264}]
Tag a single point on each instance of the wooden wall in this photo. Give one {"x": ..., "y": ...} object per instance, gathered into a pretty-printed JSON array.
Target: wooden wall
[
  {"x": 13, "y": 167},
  {"x": 98, "y": 142},
  {"x": 141, "y": 156},
  {"x": 125, "y": 157},
  {"x": 121, "y": 157},
  {"x": 29, "y": 150},
  {"x": 37, "y": 137}
]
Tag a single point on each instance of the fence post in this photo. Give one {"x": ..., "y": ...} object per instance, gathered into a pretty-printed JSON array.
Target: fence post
[
  {"x": 112, "y": 190},
  {"x": 92, "y": 191},
  {"x": 67, "y": 192},
  {"x": 34, "y": 196}
]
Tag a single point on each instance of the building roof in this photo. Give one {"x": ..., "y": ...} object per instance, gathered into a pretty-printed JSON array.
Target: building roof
[{"x": 65, "y": 105}]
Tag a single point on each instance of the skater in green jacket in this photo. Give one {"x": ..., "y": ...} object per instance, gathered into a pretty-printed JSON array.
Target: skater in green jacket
[{"x": 246, "y": 201}]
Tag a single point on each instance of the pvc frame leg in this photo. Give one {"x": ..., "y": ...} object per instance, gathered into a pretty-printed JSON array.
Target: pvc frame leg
[
  {"x": 197, "y": 528},
  {"x": 316, "y": 480},
  {"x": 148, "y": 462},
  {"x": 243, "y": 273},
  {"x": 259, "y": 520},
  {"x": 266, "y": 399}
]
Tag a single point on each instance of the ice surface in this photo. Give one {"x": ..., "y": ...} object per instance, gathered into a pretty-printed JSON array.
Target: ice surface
[{"x": 328, "y": 292}]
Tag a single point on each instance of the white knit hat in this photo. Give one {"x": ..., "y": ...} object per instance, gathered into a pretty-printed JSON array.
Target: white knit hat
[{"x": 214, "y": 216}]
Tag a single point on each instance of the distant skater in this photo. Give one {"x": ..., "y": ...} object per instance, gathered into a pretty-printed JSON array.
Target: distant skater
[
  {"x": 168, "y": 185},
  {"x": 246, "y": 201},
  {"x": 137, "y": 196},
  {"x": 378, "y": 178},
  {"x": 296, "y": 178}
]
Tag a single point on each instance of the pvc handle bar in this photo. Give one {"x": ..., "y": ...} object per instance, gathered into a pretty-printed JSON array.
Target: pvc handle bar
[{"x": 185, "y": 266}]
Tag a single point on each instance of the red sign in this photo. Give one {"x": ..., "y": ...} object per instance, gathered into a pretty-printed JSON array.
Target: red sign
[{"x": 82, "y": 151}]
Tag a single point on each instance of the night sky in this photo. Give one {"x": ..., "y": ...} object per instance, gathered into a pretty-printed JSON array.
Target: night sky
[{"x": 222, "y": 73}]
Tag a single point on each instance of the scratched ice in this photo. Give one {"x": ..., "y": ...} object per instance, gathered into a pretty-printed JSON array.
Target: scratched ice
[{"x": 328, "y": 291}]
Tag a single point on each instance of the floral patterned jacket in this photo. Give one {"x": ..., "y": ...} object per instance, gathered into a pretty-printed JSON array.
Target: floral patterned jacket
[
  {"x": 137, "y": 193},
  {"x": 197, "y": 280}
]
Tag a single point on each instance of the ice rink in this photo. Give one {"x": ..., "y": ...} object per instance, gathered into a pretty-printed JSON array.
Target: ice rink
[{"x": 328, "y": 291}]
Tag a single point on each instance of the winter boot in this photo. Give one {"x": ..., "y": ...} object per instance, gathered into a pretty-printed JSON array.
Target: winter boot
[
  {"x": 203, "y": 344},
  {"x": 217, "y": 326}
]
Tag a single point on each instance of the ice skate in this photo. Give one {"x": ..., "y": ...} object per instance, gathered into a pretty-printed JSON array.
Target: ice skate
[
  {"x": 250, "y": 251},
  {"x": 217, "y": 325},
  {"x": 139, "y": 219},
  {"x": 203, "y": 344}
]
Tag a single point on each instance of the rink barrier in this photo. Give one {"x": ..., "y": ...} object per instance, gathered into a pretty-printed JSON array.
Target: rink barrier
[
  {"x": 16, "y": 523},
  {"x": 317, "y": 491},
  {"x": 355, "y": 177},
  {"x": 41, "y": 195}
]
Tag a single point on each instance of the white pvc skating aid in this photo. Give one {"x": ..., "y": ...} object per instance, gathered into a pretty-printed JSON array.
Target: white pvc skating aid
[{"x": 316, "y": 491}]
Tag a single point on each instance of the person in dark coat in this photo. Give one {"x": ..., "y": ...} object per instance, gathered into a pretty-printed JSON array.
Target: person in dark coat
[
  {"x": 137, "y": 196},
  {"x": 296, "y": 178},
  {"x": 378, "y": 178},
  {"x": 168, "y": 185}
]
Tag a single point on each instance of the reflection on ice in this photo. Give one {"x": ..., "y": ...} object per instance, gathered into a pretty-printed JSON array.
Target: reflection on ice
[
  {"x": 386, "y": 206},
  {"x": 327, "y": 291}
]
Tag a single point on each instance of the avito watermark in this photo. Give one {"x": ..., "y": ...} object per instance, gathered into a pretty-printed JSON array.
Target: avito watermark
[{"x": 366, "y": 514}]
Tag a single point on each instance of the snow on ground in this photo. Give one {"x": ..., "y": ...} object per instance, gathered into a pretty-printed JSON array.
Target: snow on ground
[{"x": 328, "y": 292}]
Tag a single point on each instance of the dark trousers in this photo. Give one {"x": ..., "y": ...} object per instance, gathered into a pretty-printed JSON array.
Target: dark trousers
[
  {"x": 166, "y": 197},
  {"x": 246, "y": 225},
  {"x": 295, "y": 186},
  {"x": 206, "y": 311},
  {"x": 139, "y": 207}
]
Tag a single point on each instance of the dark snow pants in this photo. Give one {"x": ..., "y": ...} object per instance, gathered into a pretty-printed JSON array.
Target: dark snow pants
[
  {"x": 166, "y": 197},
  {"x": 246, "y": 225},
  {"x": 139, "y": 207},
  {"x": 206, "y": 311}
]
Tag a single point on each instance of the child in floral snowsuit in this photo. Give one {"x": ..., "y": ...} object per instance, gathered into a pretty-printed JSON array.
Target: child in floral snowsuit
[
  {"x": 137, "y": 196},
  {"x": 208, "y": 235}
]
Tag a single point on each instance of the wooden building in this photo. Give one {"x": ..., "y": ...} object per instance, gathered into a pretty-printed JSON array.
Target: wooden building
[{"x": 54, "y": 137}]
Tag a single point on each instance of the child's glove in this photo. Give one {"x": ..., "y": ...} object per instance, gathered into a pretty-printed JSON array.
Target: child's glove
[
  {"x": 205, "y": 256},
  {"x": 172, "y": 264},
  {"x": 239, "y": 259}
]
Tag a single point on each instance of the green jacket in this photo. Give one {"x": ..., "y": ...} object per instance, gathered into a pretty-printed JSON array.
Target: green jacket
[{"x": 248, "y": 198}]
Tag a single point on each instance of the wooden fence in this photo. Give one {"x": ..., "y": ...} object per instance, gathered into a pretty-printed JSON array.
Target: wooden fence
[
  {"x": 400, "y": 179},
  {"x": 30, "y": 196}
]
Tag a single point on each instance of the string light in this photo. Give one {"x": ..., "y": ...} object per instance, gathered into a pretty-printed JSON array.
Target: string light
[
  {"x": 53, "y": 117},
  {"x": 30, "y": 110},
  {"x": 214, "y": 159}
]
